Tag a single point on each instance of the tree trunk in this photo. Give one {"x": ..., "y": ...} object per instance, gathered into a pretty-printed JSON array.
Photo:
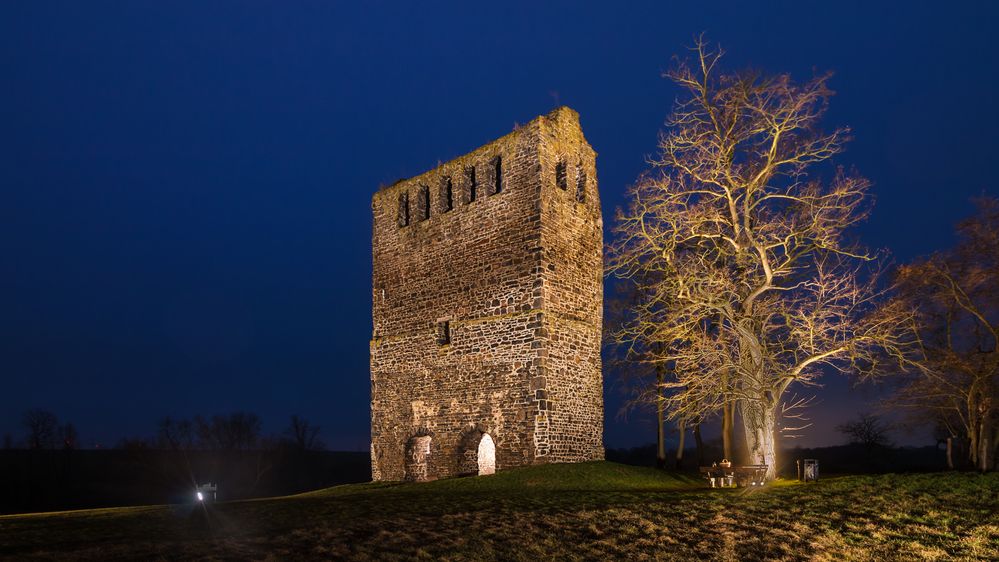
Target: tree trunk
[
  {"x": 984, "y": 442},
  {"x": 682, "y": 426},
  {"x": 978, "y": 446},
  {"x": 660, "y": 438},
  {"x": 963, "y": 451},
  {"x": 995, "y": 449},
  {"x": 983, "y": 455},
  {"x": 728, "y": 412},
  {"x": 700, "y": 444},
  {"x": 950, "y": 453},
  {"x": 760, "y": 424}
]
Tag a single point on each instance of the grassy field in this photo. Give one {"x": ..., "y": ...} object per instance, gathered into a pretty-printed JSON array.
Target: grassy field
[{"x": 595, "y": 511}]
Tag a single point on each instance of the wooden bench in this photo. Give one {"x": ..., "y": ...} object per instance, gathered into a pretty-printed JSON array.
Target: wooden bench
[{"x": 746, "y": 475}]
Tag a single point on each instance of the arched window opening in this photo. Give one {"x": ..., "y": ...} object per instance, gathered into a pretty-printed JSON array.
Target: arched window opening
[
  {"x": 418, "y": 458},
  {"x": 487, "y": 455}
]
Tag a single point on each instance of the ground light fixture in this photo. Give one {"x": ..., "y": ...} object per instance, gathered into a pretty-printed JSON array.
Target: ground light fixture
[{"x": 206, "y": 493}]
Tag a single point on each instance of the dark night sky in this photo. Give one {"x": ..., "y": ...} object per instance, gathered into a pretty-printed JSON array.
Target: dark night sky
[{"x": 185, "y": 186}]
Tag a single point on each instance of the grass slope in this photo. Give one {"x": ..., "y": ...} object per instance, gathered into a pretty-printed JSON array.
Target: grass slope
[{"x": 595, "y": 511}]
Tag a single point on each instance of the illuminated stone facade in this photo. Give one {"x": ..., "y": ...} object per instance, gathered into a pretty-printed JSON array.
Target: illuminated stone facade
[{"x": 487, "y": 308}]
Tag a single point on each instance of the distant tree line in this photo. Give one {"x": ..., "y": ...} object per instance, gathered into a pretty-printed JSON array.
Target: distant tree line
[
  {"x": 43, "y": 469},
  {"x": 236, "y": 431},
  {"x": 42, "y": 430}
]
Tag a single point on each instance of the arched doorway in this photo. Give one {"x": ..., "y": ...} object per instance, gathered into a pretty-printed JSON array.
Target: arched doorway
[
  {"x": 487, "y": 455},
  {"x": 417, "y": 458}
]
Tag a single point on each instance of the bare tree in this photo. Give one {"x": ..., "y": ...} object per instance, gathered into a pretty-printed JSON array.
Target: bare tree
[
  {"x": 303, "y": 435},
  {"x": 699, "y": 442},
  {"x": 956, "y": 384},
  {"x": 868, "y": 430},
  {"x": 175, "y": 434},
  {"x": 239, "y": 431},
  {"x": 642, "y": 381},
  {"x": 634, "y": 360},
  {"x": 42, "y": 429},
  {"x": 68, "y": 437},
  {"x": 741, "y": 249}
]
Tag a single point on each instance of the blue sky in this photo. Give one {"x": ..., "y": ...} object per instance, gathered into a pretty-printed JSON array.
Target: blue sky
[{"x": 185, "y": 216}]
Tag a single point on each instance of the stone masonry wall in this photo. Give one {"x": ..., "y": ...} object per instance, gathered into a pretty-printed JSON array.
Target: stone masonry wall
[
  {"x": 572, "y": 269},
  {"x": 486, "y": 305}
]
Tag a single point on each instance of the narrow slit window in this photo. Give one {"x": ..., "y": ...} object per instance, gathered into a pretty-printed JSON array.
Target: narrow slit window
[
  {"x": 580, "y": 183},
  {"x": 497, "y": 174},
  {"x": 472, "y": 185},
  {"x": 403, "y": 209},
  {"x": 424, "y": 204},
  {"x": 561, "y": 179},
  {"x": 447, "y": 194},
  {"x": 444, "y": 332}
]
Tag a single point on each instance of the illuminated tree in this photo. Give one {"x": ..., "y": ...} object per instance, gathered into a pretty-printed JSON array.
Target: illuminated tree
[
  {"x": 643, "y": 376},
  {"x": 956, "y": 384},
  {"x": 739, "y": 248}
]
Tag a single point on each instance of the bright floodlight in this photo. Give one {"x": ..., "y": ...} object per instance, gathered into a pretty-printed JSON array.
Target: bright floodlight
[{"x": 200, "y": 497}]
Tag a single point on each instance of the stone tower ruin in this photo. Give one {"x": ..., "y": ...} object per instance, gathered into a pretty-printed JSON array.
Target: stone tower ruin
[{"x": 487, "y": 305}]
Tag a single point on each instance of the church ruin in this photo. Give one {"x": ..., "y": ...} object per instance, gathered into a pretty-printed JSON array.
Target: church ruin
[{"x": 487, "y": 307}]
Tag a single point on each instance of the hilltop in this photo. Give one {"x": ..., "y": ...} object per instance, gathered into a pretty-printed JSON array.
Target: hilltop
[{"x": 597, "y": 510}]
